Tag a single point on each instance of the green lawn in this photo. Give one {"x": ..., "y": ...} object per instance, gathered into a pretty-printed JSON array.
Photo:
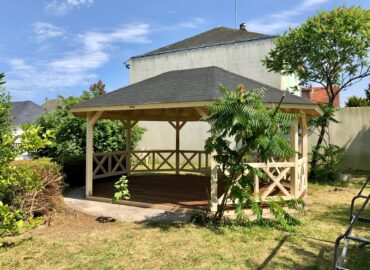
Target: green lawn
[{"x": 77, "y": 241}]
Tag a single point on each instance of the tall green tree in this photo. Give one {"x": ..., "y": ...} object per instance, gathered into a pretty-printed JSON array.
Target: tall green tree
[
  {"x": 330, "y": 49},
  {"x": 98, "y": 88},
  {"x": 70, "y": 131},
  {"x": 355, "y": 101},
  {"x": 242, "y": 117},
  {"x": 6, "y": 149}
]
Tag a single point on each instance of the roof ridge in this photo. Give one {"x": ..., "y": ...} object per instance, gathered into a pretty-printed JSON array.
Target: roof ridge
[{"x": 214, "y": 37}]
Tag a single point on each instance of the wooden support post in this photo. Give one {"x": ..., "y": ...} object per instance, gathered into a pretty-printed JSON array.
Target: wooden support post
[
  {"x": 128, "y": 130},
  {"x": 177, "y": 126},
  {"x": 91, "y": 119},
  {"x": 305, "y": 147},
  {"x": 214, "y": 185},
  {"x": 294, "y": 172},
  {"x": 256, "y": 185},
  {"x": 177, "y": 146}
]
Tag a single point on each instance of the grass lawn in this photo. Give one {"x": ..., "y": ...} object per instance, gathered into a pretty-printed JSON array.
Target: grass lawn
[{"x": 77, "y": 241}]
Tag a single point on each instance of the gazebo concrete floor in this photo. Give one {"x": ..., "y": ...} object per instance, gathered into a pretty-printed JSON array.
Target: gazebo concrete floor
[{"x": 163, "y": 191}]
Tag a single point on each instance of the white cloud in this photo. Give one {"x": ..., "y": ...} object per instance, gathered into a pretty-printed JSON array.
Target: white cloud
[
  {"x": 44, "y": 30},
  {"x": 95, "y": 45},
  {"x": 61, "y": 7},
  {"x": 74, "y": 68},
  {"x": 193, "y": 23},
  {"x": 28, "y": 78},
  {"x": 284, "y": 19}
]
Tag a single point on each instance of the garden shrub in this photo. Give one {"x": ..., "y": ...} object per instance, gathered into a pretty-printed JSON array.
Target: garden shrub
[
  {"x": 46, "y": 199},
  {"x": 11, "y": 221},
  {"x": 328, "y": 160},
  {"x": 19, "y": 188},
  {"x": 69, "y": 145},
  {"x": 74, "y": 170}
]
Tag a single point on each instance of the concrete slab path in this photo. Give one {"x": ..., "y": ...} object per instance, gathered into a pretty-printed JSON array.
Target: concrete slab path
[{"x": 75, "y": 199}]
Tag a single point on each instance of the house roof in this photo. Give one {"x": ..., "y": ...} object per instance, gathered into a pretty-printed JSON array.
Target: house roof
[
  {"x": 25, "y": 112},
  {"x": 213, "y": 37},
  {"x": 179, "y": 86},
  {"x": 52, "y": 104}
]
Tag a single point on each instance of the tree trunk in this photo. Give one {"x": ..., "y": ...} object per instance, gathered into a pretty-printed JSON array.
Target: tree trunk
[
  {"x": 323, "y": 129},
  {"x": 221, "y": 208},
  {"x": 317, "y": 147}
]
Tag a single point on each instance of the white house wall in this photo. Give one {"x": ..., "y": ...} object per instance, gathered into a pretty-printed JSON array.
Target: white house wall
[
  {"x": 241, "y": 58},
  {"x": 161, "y": 135}
]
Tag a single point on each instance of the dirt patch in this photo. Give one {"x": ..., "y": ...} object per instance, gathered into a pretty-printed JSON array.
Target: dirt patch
[{"x": 69, "y": 221}]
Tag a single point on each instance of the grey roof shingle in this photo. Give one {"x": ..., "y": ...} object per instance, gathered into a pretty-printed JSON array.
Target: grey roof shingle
[
  {"x": 25, "y": 112},
  {"x": 190, "y": 85},
  {"x": 213, "y": 37}
]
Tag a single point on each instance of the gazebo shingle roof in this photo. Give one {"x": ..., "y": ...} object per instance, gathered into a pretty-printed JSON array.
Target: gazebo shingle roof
[
  {"x": 213, "y": 37},
  {"x": 190, "y": 85}
]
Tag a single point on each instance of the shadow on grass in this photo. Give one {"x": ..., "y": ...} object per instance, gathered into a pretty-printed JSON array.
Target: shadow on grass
[
  {"x": 308, "y": 253},
  {"x": 339, "y": 214},
  {"x": 273, "y": 253},
  {"x": 356, "y": 182},
  {"x": 166, "y": 221},
  {"x": 12, "y": 244}
]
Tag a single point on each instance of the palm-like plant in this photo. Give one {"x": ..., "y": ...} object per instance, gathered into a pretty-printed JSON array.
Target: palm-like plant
[{"x": 242, "y": 117}]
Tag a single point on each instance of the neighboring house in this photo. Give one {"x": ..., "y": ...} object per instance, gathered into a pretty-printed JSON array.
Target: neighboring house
[
  {"x": 318, "y": 94},
  {"x": 235, "y": 50},
  {"x": 51, "y": 104},
  {"x": 24, "y": 112}
]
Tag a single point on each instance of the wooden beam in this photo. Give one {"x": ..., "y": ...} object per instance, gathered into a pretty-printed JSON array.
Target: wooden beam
[
  {"x": 177, "y": 125},
  {"x": 182, "y": 124},
  {"x": 294, "y": 170},
  {"x": 128, "y": 126},
  {"x": 95, "y": 117},
  {"x": 184, "y": 114},
  {"x": 201, "y": 112},
  {"x": 177, "y": 146},
  {"x": 172, "y": 124},
  {"x": 305, "y": 147},
  {"x": 91, "y": 119},
  {"x": 214, "y": 184},
  {"x": 256, "y": 186},
  {"x": 144, "y": 106},
  {"x": 134, "y": 123}
]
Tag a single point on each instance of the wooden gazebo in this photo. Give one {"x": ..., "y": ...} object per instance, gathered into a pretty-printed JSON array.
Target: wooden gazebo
[{"x": 178, "y": 97}]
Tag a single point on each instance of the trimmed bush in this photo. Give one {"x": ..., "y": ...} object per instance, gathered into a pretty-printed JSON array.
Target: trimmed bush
[{"x": 46, "y": 198}]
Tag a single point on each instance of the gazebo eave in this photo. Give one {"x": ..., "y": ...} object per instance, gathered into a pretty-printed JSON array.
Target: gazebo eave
[{"x": 187, "y": 111}]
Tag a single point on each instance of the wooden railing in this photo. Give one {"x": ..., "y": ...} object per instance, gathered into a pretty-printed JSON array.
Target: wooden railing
[
  {"x": 194, "y": 161},
  {"x": 109, "y": 164},
  {"x": 152, "y": 161},
  {"x": 114, "y": 163},
  {"x": 277, "y": 181},
  {"x": 278, "y": 178}
]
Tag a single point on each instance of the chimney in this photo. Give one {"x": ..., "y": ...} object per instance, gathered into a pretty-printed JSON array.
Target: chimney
[
  {"x": 307, "y": 92},
  {"x": 243, "y": 27}
]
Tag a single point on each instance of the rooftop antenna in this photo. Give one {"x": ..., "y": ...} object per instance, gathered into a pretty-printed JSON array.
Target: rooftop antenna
[{"x": 236, "y": 14}]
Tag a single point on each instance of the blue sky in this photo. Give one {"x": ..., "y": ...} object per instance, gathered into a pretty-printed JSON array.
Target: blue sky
[{"x": 60, "y": 47}]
